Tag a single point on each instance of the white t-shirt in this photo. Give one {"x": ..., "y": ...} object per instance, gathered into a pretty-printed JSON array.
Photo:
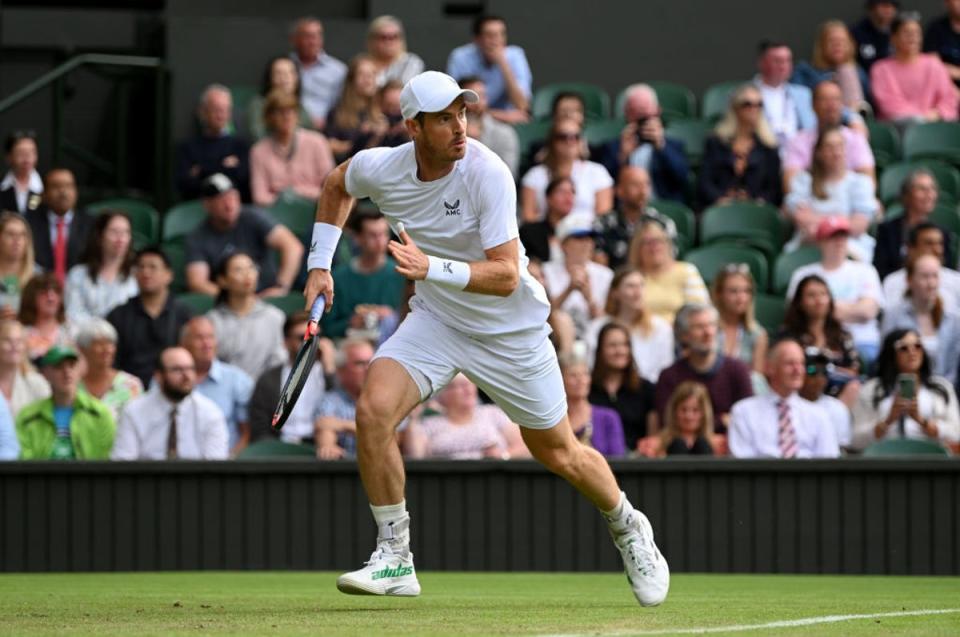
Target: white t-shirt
[
  {"x": 469, "y": 210},
  {"x": 851, "y": 281},
  {"x": 558, "y": 279},
  {"x": 895, "y": 287},
  {"x": 588, "y": 178}
]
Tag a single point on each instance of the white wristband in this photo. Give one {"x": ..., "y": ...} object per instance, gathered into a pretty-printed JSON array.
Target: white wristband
[
  {"x": 322, "y": 246},
  {"x": 454, "y": 274}
]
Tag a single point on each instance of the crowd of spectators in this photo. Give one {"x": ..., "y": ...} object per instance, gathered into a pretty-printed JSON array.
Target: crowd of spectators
[{"x": 100, "y": 358}]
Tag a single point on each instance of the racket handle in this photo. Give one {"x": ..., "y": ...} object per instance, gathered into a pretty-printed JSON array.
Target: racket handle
[{"x": 316, "y": 312}]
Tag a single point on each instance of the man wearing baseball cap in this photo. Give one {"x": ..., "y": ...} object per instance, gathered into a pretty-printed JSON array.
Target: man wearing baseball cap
[{"x": 477, "y": 310}]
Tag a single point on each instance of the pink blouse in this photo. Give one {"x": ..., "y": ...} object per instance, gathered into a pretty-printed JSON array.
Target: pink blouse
[
  {"x": 909, "y": 90},
  {"x": 303, "y": 171}
]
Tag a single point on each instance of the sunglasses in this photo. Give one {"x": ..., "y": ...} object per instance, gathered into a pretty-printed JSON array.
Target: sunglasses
[
  {"x": 567, "y": 137},
  {"x": 750, "y": 104},
  {"x": 736, "y": 268},
  {"x": 907, "y": 347}
]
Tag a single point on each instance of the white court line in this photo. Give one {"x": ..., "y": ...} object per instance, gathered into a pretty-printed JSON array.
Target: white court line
[{"x": 791, "y": 623}]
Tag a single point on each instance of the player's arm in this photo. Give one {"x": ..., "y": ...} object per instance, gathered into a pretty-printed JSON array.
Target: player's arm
[
  {"x": 332, "y": 212},
  {"x": 497, "y": 275}
]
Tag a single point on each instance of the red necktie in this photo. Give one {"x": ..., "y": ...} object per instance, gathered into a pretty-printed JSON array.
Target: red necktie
[{"x": 60, "y": 251}]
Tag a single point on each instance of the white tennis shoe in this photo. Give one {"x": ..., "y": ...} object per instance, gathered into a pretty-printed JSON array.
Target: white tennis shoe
[
  {"x": 646, "y": 568},
  {"x": 385, "y": 573}
]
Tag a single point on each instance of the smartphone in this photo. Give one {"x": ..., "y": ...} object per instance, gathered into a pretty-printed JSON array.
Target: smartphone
[{"x": 906, "y": 386}]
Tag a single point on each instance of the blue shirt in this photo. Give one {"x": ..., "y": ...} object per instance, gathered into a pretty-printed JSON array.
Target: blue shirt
[
  {"x": 229, "y": 387},
  {"x": 338, "y": 404},
  {"x": 468, "y": 61},
  {"x": 9, "y": 446}
]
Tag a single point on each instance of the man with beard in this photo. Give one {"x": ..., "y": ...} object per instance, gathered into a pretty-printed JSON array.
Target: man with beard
[{"x": 172, "y": 421}]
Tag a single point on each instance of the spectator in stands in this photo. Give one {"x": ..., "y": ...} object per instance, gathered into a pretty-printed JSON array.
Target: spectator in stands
[
  {"x": 617, "y": 384},
  {"x": 644, "y": 143},
  {"x": 828, "y": 105},
  {"x": 688, "y": 422},
  {"x": 787, "y": 107},
  {"x": 225, "y": 384},
  {"x": 539, "y": 237},
  {"x": 890, "y": 408},
  {"x": 814, "y": 389},
  {"x": 16, "y": 261},
  {"x": 942, "y": 37},
  {"x": 19, "y": 382},
  {"x": 292, "y": 159},
  {"x": 59, "y": 228},
  {"x": 369, "y": 289},
  {"x": 387, "y": 47},
  {"x": 918, "y": 194},
  {"x": 172, "y": 421},
  {"x": 231, "y": 227},
  {"x": 726, "y": 379},
  {"x": 388, "y": 98},
  {"x": 280, "y": 75},
  {"x": 831, "y": 191},
  {"x": 481, "y": 125},
  {"x": 872, "y": 33},
  {"x": 670, "y": 284},
  {"x": 925, "y": 238},
  {"x": 834, "y": 60},
  {"x": 22, "y": 188},
  {"x": 922, "y": 310},
  {"x": 854, "y": 285},
  {"x": 151, "y": 321},
  {"x": 740, "y": 158},
  {"x": 9, "y": 445},
  {"x": 356, "y": 122},
  {"x": 248, "y": 331},
  {"x": 300, "y": 425},
  {"x": 739, "y": 335},
  {"x": 911, "y": 86},
  {"x": 781, "y": 424},
  {"x": 811, "y": 320},
  {"x": 70, "y": 424},
  {"x": 216, "y": 149},
  {"x": 502, "y": 67},
  {"x": 336, "y": 427},
  {"x": 97, "y": 342},
  {"x": 565, "y": 156},
  {"x": 651, "y": 337},
  {"x": 464, "y": 430},
  {"x": 42, "y": 315},
  {"x": 103, "y": 279},
  {"x": 569, "y": 105},
  {"x": 563, "y": 333},
  {"x": 321, "y": 74},
  {"x": 595, "y": 426},
  {"x": 615, "y": 230},
  {"x": 577, "y": 285}
]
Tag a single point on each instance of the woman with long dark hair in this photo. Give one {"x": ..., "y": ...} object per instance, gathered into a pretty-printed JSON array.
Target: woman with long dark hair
[
  {"x": 280, "y": 74},
  {"x": 905, "y": 400},
  {"x": 616, "y": 383},
  {"x": 593, "y": 425},
  {"x": 357, "y": 122}
]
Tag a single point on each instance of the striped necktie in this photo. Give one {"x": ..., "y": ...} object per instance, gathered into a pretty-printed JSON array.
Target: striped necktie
[{"x": 787, "y": 436}]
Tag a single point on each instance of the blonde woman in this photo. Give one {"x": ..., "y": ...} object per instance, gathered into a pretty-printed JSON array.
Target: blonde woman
[
  {"x": 387, "y": 47},
  {"x": 834, "y": 58},
  {"x": 739, "y": 335},
  {"x": 688, "y": 422},
  {"x": 16, "y": 261},
  {"x": 740, "y": 159},
  {"x": 19, "y": 382},
  {"x": 357, "y": 122}
]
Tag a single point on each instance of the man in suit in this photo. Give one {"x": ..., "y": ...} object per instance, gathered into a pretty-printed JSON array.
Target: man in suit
[
  {"x": 59, "y": 228},
  {"x": 21, "y": 188}
]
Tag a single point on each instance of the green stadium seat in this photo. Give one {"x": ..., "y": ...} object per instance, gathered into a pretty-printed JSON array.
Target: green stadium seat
[
  {"x": 788, "y": 262},
  {"x": 936, "y": 140},
  {"x": 712, "y": 258},
  {"x": 681, "y": 215},
  {"x": 595, "y": 99},
  {"x": 288, "y": 303},
  {"x": 905, "y": 447},
  {"x": 144, "y": 218},
  {"x": 693, "y": 133},
  {"x": 716, "y": 99},
  {"x": 885, "y": 143},
  {"x": 182, "y": 219},
  {"x": 529, "y": 134},
  {"x": 273, "y": 449},
  {"x": 600, "y": 132},
  {"x": 198, "y": 303},
  {"x": 676, "y": 101},
  {"x": 176, "y": 252},
  {"x": 242, "y": 95},
  {"x": 741, "y": 220},
  {"x": 295, "y": 213},
  {"x": 893, "y": 176},
  {"x": 769, "y": 310}
]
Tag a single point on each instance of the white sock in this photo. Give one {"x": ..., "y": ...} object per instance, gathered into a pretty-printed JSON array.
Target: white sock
[
  {"x": 617, "y": 516},
  {"x": 393, "y": 526}
]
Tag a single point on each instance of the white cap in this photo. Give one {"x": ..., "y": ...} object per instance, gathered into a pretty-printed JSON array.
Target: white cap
[
  {"x": 431, "y": 92},
  {"x": 576, "y": 224}
]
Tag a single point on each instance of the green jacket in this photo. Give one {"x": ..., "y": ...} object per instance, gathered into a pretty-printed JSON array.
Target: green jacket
[{"x": 91, "y": 429}]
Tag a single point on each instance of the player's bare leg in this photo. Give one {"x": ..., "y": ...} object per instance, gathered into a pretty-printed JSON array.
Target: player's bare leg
[
  {"x": 583, "y": 467},
  {"x": 387, "y": 397}
]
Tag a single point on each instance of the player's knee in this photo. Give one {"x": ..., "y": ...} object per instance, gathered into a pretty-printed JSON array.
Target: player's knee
[
  {"x": 559, "y": 460},
  {"x": 375, "y": 411}
]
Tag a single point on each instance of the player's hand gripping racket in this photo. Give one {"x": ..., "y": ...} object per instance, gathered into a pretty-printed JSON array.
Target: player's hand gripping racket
[{"x": 301, "y": 366}]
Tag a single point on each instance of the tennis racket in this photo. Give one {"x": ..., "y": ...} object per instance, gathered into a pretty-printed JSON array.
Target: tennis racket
[{"x": 294, "y": 383}]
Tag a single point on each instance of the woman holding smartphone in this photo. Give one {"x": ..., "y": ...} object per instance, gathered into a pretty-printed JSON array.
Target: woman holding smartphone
[{"x": 905, "y": 400}]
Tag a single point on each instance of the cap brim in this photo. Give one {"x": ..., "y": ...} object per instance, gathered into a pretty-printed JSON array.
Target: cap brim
[{"x": 445, "y": 99}]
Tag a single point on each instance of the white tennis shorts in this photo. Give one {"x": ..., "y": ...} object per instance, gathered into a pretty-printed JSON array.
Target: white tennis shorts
[{"x": 519, "y": 372}]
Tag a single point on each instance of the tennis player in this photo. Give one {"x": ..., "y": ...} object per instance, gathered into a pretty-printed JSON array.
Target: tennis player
[{"x": 476, "y": 310}]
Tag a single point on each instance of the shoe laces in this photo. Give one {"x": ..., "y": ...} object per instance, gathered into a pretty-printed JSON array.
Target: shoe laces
[
  {"x": 641, "y": 551},
  {"x": 383, "y": 550}
]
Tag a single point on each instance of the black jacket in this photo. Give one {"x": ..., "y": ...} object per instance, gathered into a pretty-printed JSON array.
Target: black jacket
[
  {"x": 76, "y": 237},
  {"x": 890, "y": 252},
  {"x": 8, "y": 200},
  {"x": 141, "y": 337},
  {"x": 761, "y": 179}
]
